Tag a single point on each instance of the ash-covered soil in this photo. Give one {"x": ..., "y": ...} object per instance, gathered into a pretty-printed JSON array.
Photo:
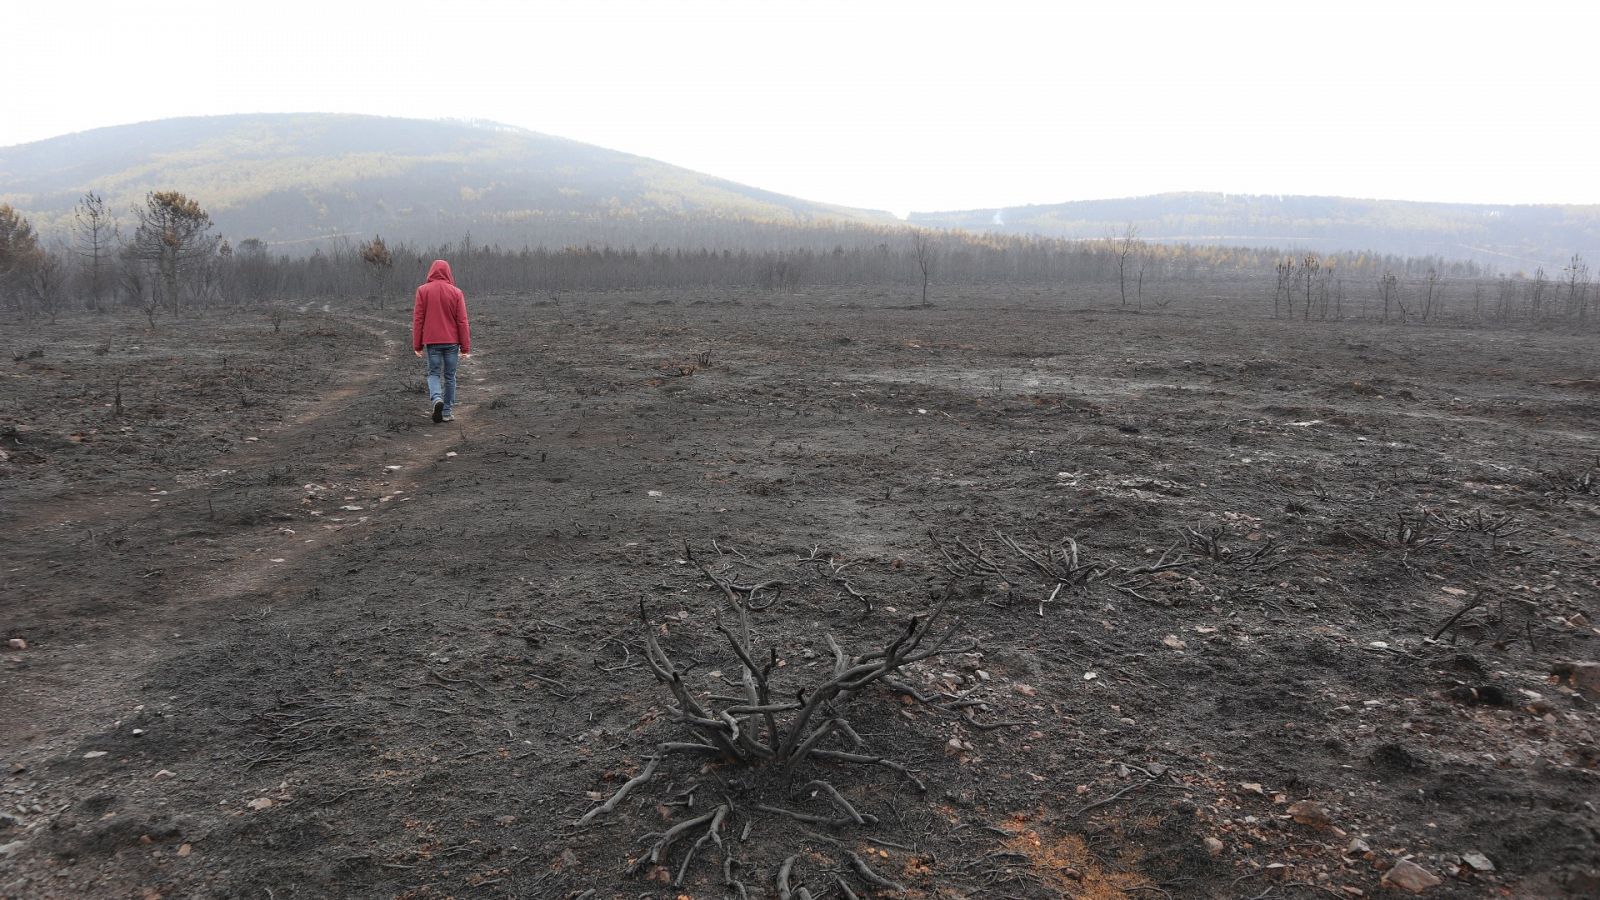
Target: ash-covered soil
[{"x": 1262, "y": 608}]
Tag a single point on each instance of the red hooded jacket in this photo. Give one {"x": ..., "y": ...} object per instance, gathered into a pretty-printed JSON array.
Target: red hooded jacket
[{"x": 441, "y": 313}]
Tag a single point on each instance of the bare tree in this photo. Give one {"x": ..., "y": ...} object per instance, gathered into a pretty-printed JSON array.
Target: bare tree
[
  {"x": 95, "y": 236},
  {"x": 1126, "y": 245},
  {"x": 174, "y": 234},
  {"x": 1388, "y": 286},
  {"x": 1577, "y": 287},
  {"x": 1308, "y": 272},
  {"x": 1434, "y": 293},
  {"x": 226, "y": 273},
  {"x": 380, "y": 263},
  {"x": 137, "y": 288},
  {"x": 922, "y": 247},
  {"x": 1505, "y": 300},
  {"x": 1283, "y": 293},
  {"x": 1536, "y": 291},
  {"x": 46, "y": 277},
  {"x": 254, "y": 271}
]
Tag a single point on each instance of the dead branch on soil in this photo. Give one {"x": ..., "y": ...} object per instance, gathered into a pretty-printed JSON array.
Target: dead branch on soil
[
  {"x": 740, "y": 596},
  {"x": 764, "y": 729},
  {"x": 1209, "y": 544},
  {"x": 1497, "y": 527},
  {"x": 769, "y": 730},
  {"x": 1060, "y": 565},
  {"x": 1315, "y": 490},
  {"x": 648, "y": 773},
  {"x": 1466, "y": 608},
  {"x": 835, "y": 573}
]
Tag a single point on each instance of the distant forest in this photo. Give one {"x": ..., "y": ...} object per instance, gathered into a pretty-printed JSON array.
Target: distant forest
[{"x": 172, "y": 260}]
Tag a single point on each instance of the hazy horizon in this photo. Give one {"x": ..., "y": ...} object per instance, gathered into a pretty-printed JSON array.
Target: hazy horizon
[{"x": 900, "y": 107}]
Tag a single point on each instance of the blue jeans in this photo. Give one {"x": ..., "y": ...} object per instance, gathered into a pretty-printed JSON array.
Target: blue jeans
[{"x": 442, "y": 359}]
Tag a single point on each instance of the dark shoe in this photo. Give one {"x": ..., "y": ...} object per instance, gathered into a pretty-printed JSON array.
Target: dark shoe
[{"x": 438, "y": 410}]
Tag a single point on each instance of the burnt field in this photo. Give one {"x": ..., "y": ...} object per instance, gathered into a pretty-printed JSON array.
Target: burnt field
[{"x": 731, "y": 594}]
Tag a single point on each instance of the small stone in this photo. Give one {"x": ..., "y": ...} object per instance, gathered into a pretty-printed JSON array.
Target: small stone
[
  {"x": 1584, "y": 676},
  {"x": 185, "y": 849},
  {"x": 7, "y": 820},
  {"x": 953, "y": 745},
  {"x": 164, "y": 773},
  {"x": 94, "y": 754},
  {"x": 1252, "y": 787},
  {"x": 1090, "y": 676},
  {"x": 260, "y": 803},
  {"x": 17, "y": 644},
  {"x": 13, "y": 847},
  {"x": 137, "y": 731},
  {"x": 1409, "y": 876},
  {"x": 506, "y": 820},
  {"x": 1357, "y": 846},
  {"x": 1478, "y": 861},
  {"x": 1174, "y": 642},
  {"x": 1026, "y": 690},
  {"x": 1213, "y": 846},
  {"x": 1309, "y": 812}
]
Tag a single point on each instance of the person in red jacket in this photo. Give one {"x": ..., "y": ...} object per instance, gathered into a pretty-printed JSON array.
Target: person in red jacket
[{"x": 439, "y": 325}]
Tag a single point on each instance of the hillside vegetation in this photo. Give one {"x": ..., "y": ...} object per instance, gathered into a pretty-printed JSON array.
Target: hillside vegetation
[{"x": 297, "y": 178}]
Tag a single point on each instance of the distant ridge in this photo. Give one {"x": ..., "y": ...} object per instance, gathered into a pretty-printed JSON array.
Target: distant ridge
[
  {"x": 299, "y": 181},
  {"x": 303, "y": 178},
  {"x": 1511, "y": 238}
]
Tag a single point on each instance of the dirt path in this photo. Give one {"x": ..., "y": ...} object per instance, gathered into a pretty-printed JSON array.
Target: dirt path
[{"x": 74, "y": 687}]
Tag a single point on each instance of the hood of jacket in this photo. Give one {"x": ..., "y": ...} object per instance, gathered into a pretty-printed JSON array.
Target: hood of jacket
[{"x": 440, "y": 271}]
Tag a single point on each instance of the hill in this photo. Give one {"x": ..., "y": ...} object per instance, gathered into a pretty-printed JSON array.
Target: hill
[
  {"x": 298, "y": 178},
  {"x": 1508, "y": 237}
]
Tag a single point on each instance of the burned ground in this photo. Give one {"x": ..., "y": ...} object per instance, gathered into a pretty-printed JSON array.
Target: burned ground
[{"x": 1261, "y": 608}]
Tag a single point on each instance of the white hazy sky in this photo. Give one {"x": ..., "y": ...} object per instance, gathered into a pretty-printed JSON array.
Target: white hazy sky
[{"x": 889, "y": 105}]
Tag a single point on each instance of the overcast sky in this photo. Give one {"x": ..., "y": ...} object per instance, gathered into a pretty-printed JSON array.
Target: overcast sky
[{"x": 890, "y": 105}]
